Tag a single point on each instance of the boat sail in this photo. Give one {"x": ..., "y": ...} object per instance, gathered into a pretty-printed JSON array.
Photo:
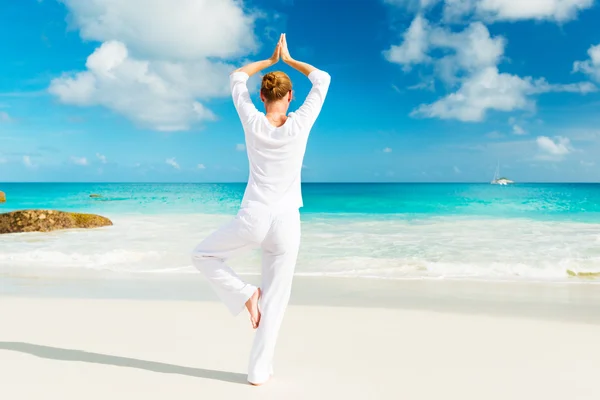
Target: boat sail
[{"x": 498, "y": 180}]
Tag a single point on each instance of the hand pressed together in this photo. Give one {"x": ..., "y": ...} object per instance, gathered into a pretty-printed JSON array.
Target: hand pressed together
[
  {"x": 277, "y": 53},
  {"x": 281, "y": 51},
  {"x": 285, "y": 52}
]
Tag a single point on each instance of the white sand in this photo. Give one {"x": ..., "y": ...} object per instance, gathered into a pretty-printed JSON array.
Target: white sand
[{"x": 127, "y": 349}]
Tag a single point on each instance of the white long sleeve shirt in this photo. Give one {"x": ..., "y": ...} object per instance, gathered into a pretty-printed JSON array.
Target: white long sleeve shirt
[{"x": 276, "y": 154}]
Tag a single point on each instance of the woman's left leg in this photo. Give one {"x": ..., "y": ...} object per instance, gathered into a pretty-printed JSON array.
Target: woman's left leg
[{"x": 210, "y": 258}]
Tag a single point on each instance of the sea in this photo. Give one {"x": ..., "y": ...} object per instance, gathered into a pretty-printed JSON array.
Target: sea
[{"x": 521, "y": 232}]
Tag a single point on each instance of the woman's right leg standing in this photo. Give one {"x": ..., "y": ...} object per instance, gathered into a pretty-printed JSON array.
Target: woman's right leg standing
[
  {"x": 280, "y": 238},
  {"x": 280, "y": 252}
]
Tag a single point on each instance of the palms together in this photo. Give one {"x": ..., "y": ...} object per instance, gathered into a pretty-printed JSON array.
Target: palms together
[{"x": 281, "y": 51}]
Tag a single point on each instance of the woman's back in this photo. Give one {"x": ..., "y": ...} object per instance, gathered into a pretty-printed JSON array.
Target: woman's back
[{"x": 275, "y": 154}]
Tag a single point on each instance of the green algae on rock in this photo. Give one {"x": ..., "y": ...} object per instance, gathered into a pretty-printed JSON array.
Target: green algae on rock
[
  {"x": 587, "y": 275},
  {"x": 48, "y": 220}
]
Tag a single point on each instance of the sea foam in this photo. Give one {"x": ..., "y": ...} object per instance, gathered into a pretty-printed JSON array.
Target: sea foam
[{"x": 342, "y": 246}]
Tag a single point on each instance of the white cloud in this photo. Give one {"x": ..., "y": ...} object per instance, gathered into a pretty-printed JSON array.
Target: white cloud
[
  {"x": 414, "y": 47},
  {"x": 3, "y": 160},
  {"x": 176, "y": 30},
  {"x": 486, "y": 90},
  {"x": 554, "y": 149},
  {"x": 158, "y": 94},
  {"x": 473, "y": 49},
  {"x": 413, "y": 4},
  {"x": 101, "y": 157},
  {"x": 456, "y": 170},
  {"x": 4, "y": 117},
  {"x": 172, "y": 163},
  {"x": 590, "y": 67},
  {"x": 201, "y": 166},
  {"x": 240, "y": 147},
  {"x": 582, "y": 87},
  {"x": 387, "y": 150},
  {"x": 428, "y": 84},
  {"x": 159, "y": 65},
  {"x": 587, "y": 163},
  {"x": 473, "y": 65},
  {"x": 489, "y": 89},
  {"x": 27, "y": 162},
  {"x": 502, "y": 10},
  {"x": 518, "y": 130},
  {"x": 512, "y": 10},
  {"x": 79, "y": 160}
]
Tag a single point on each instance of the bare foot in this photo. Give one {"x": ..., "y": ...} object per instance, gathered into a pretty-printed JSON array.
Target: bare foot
[
  {"x": 259, "y": 384},
  {"x": 252, "y": 306}
]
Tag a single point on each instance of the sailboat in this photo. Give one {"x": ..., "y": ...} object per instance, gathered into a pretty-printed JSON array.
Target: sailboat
[{"x": 498, "y": 180}]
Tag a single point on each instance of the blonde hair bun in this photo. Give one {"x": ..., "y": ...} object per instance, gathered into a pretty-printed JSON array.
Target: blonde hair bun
[{"x": 275, "y": 86}]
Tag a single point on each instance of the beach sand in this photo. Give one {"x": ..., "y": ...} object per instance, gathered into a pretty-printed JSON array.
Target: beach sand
[{"x": 427, "y": 345}]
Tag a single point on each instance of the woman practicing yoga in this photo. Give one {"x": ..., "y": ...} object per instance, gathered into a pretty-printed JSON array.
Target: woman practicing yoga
[{"x": 269, "y": 216}]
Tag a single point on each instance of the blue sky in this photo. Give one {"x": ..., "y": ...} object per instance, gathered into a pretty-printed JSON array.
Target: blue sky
[{"x": 422, "y": 90}]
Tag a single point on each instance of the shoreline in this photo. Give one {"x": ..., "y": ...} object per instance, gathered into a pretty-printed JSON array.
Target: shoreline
[{"x": 532, "y": 300}]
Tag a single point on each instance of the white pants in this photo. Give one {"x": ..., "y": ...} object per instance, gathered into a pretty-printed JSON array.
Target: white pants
[{"x": 279, "y": 237}]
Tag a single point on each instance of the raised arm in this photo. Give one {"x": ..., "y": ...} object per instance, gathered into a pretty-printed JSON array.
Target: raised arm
[
  {"x": 239, "y": 89},
  {"x": 258, "y": 66},
  {"x": 303, "y": 67},
  {"x": 310, "y": 109}
]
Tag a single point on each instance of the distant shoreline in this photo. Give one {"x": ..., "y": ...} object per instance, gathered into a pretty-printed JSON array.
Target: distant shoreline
[{"x": 310, "y": 183}]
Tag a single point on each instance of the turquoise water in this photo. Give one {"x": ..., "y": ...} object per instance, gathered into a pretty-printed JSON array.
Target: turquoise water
[
  {"x": 387, "y": 231},
  {"x": 571, "y": 202}
]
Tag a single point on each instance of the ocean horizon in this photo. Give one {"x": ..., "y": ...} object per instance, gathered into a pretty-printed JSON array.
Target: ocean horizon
[{"x": 467, "y": 231}]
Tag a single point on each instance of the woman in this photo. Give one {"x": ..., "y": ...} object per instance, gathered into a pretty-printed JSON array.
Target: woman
[{"x": 269, "y": 215}]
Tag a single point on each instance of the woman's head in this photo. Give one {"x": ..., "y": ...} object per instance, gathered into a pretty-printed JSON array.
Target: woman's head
[{"x": 276, "y": 86}]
